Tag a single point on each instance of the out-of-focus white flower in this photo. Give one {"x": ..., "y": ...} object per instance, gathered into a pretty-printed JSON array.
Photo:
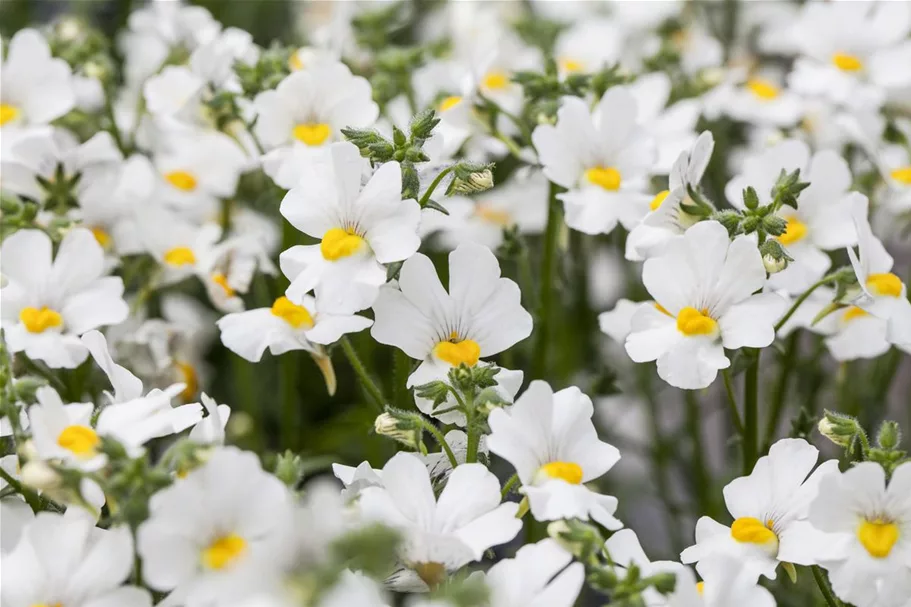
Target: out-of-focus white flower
[
  {"x": 480, "y": 316},
  {"x": 285, "y": 327},
  {"x": 770, "y": 509},
  {"x": 760, "y": 99},
  {"x": 726, "y": 582},
  {"x": 63, "y": 559},
  {"x": 540, "y": 575},
  {"x": 626, "y": 551},
  {"x": 198, "y": 168},
  {"x": 48, "y": 303},
  {"x": 551, "y": 441},
  {"x": 35, "y": 88},
  {"x": 210, "y": 430},
  {"x": 223, "y": 531},
  {"x": 360, "y": 228},
  {"x": 603, "y": 158},
  {"x": 671, "y": 126},
  {"x": 822, "y": 220},
  {"x": 704, "y": 286},
  {"x": 445, "y": 533},
  {"x": 588, "y": 46},
  {"x": 869, "y": 561}
]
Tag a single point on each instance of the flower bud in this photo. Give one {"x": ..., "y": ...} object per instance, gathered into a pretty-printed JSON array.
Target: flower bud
[
  {"x": 838, "y": 428},
  {"x": 774, "y": 257},
  {"x": 399, "y": 426},
  {"x": 40, "y": 476}
]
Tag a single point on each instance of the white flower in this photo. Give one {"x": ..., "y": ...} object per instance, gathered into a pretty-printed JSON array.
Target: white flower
[
  {"x": 182, "y": 247},
  {"x": 480, "y": 316},
  {"x": 440, "y": 534},
  {"x": 869, "y": 559},
  {"x": 626, "y": 551},
  {"x": 672, "y": 127},
  {"x": 210, "y": 430},
  {"x": 726, "y": 582},
  {"x": 34, "y": 87},
  {"x": 48, "y": 303},
  {"x": 284, "y": 327},
  {"x": 666, "y": 220},
  {"x": 883, "y": 294},
  {"x": 306, "y": 112},
  {"x": 617, "y": 323},
  {"x": 63, "y": 559},
  {"x": 703, "y": 286},
  {"x": 770, "y": 508},
  {"x": 551, "y": 441},
  {"x": 588, "y": 46},
  {"x": 360, "y": 228},
  {"x": 222, "y": 531},
  {"x": 760, "y": 100},
  {"x": 822, "y": 220},
  {"x": 64, "y": 432},
  {"x": 852, "y": 54},
  {"x": 603, "y": 158},
  {"x": 520, "y": 203},
  {"x": 56, "y": 157},
  {"x": 540, "y": 575}
]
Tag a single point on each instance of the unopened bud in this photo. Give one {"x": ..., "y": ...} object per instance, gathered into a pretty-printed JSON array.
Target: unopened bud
[
  {"x": 889, "y": 435},
  {"x": 774, "y": 257},
  {"x": 40, "y": 476},
  {"x": 838, "y": 428},
  {"x": 400, "y": 427},
  {"x": 289, "y": 468}
]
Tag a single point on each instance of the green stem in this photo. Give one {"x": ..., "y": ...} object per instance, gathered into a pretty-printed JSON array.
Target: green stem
[
  {"x": 751, "y": 415},
  {"x": 510, "y": 483},
  {"x": 433, "y": 185},
  {"x": 114, "y": 130},
  {"x": 290, "y": 412},
  {"x": 700, "y": 472},
  {"x": 474, "y": 434},
  {"x": 823, "y": 583},
  {"x": 547, "y": 275},
  {"x": 732, "y": 402},
  {"x": 800, "y": 301},
  {"x": 367, "y": 383},
  {"x": 781, "y": 389},
  {"x": 438, "y": 436},
  {"x": 32, "y": 498}
]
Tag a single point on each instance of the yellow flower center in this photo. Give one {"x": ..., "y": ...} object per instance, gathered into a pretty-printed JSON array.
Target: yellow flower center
[
  {"x": 189, "y": 377},
  {"x": 293, "y": 314},
  {"x": 606, "y": 177},
  {"x": 39, "y": 320},
  {"x": 878, "y": 537},
  {"x": 886, "y": 284},
  {"x": 852, "y": 313},
  {"x": 455, "y": 351},
  {"x": 847, "y": 62},
  {"x": 295, "y": 63},
  {"x": 902, "y": 175},
  {"x": 312, "y": 134},
  {"x": 8, "y": 113},
  {"x": 224, "y": 551},
  {"x": 182, "y": 180},
  {"x": 222, "y": 281},
  {"x": 491, "y": 215},
  {"x": 795, "y": 231},
  {"x": 763, "y": 89},
  {"x": 749, "y": 530},
  {"x": 570, "y": 65},
  {"x": 79, "y": 440},
  {"x": 338, "y": 243},
  {"x": 567, "y": 471},
  {"x": 180, "y": 256},
  {"x": 450, "y": 102},
  {"x": 496, "y": 80},
  {"x": 700, "y": 588},
  {"x": 102, "y": 236},
  {"x": 691, "y": 321},
  {"x": 662, "y": 309},
  {"x": 656, "y": 202}
]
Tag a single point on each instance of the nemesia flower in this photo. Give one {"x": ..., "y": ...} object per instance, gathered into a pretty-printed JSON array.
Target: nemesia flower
[
  {"x": 603, "y": 158},
  {"x": 480, "y": 316},
  {"x": 36, "y": 88},
  {"x": 183, "y": 248},
  {"x": 63, "y": 559},
  {"x": 770, "y": 509},
  {"x": 210, "y": 430},
  {"x": 617, "y": 322},
  {"x": 441, "y": 534},
  {"x": 672, "y": 126},
  {"x": 726, "y": 582},
  {"x": 869, "y": 558},
  {"x": 626, "y": 551},
  {"x": 306, "y": 112},
  {"x": 551, "y": 441},
  {"x": 666, "y": 220},
  {"x": 540, "y": 575},
  {"x": 48, "y": 303},
  {"x": 360, "y": 228},
  {"x": 883, "y": 294},
  {"x": 704, "y": 286},
  {"x": 761, "y": 99},
  {"x": 221, "y": 531},
  {"x": 588, "y": 46},
  {"x": 284, "y": 327},
  {"x": 822, "y": 220}
]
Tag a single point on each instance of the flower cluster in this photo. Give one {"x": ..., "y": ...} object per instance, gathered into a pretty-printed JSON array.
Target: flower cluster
[{"x": 425, "y": 215}]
